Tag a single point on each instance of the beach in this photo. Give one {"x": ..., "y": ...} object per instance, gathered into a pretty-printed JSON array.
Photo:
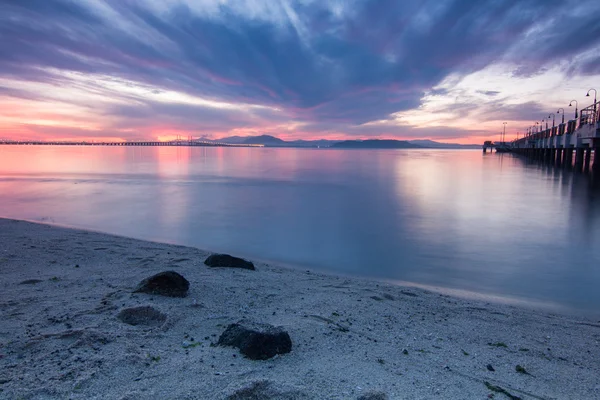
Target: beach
[{"x": 61, "y": 291}]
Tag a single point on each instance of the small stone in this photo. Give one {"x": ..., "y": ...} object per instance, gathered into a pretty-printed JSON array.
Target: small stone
[
  {"x": 227, "y": 261},
  {"x": 405, "y": 352},
  {"x": 257, "y": 341},
  {"x": 373, "y": 396},
  {"x": 264, "y": 389},
  {"x": 490, "y": 368},
  {"x": 520, "y": 369},
  {"x": 144, "y": 315},
  {"x": 168, "y": 283},
  {"x": 30, "y": 282}
]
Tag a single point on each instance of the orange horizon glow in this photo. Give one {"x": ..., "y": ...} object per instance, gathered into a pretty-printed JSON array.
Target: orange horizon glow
[{"x": 168, "y": 136}]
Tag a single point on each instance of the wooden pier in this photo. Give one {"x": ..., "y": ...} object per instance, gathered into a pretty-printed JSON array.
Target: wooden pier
[{"x": 574, "y": 144}]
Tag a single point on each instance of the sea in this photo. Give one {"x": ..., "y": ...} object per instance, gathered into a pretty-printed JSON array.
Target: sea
[{"x": 490, "y": 226}]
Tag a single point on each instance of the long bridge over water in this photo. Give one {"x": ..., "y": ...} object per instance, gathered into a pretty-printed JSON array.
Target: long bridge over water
[{"x": 193, "y": 143}]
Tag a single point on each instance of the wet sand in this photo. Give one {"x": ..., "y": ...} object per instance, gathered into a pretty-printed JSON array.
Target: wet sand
[{"x": 62, "y": 289}]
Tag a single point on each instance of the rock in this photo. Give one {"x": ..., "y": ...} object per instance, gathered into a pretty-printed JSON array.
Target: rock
[
  {"x": 490, "y": 368},
  {"x": 257, "y": 341},
  {"x": 227, "y": 261},
  {"x": 373, "y": 396},
  {"x": 520, "y": 369},
  {"x": 144, "y": 315},
  {"x": 30, "y": 282},
  {"x": 168, "y": 283},
  {"x": 263, "y": 390}
]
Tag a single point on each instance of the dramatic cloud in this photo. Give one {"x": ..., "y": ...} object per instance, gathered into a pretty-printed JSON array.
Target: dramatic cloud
[{"x": 372, "y": 68}]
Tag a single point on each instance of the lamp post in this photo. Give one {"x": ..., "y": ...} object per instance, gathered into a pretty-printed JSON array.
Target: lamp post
[
  {"x": 563, "y": 116},
  {"x": 552, "y": 115},
  {"x": 503, "y": 130},
  {"x": 536, "y": 126},
  {"x": 542, "y": 124},
  {"x": 595, "y": 93},
  {"x": 576, "y": 105}
]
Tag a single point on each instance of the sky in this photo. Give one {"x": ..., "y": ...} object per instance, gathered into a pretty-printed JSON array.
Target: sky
[{"x": 447, "y": 70}]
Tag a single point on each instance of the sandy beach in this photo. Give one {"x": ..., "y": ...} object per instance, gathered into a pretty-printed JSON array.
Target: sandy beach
[{"x": 60, "y": 338}]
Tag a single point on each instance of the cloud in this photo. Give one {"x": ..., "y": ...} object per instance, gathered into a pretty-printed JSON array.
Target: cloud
[{"x": 336, "y": 65}]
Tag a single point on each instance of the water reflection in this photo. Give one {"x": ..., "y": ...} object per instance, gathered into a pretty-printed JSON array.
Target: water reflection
[{"x": 492, "y": 224}]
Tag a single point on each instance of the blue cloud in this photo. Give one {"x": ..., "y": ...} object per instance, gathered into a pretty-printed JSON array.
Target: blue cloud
[{"x": 350, "y": 66}]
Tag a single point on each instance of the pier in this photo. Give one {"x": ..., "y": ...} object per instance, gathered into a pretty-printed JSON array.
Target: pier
[{"x": 574, "y": 144}]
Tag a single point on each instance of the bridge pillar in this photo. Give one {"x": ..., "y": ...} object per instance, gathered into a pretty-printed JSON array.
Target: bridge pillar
[
  {"x": 569, "y": 157},
  {"x": 559, "y": 156},
  {"x": 587, "y": 158},
  {"x": 579, "y": 159},
  {"x": 596, "y": 165}
]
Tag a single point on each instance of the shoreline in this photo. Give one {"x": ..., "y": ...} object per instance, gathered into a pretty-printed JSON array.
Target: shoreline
[
  {"x": 60, "y": 338},
  {"x": 521, "y": 302}
]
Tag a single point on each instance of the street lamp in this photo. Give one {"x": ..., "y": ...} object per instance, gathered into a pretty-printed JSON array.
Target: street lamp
[
  {"x": 536, "y": 126},
  {"x": 576, "y": 105},
  {"x": 552, "y": 115},
  {"x": 595, "y": 93},
  {"x": 563, "y": 116},
  {"x": 542, "y": 124},
  {"x": 503, "y": 130}
]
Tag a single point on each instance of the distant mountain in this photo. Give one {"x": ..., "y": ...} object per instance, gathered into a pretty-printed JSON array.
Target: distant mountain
[
  {"x": 272, "y": 141},
  {"x": 267, "y": 140},
  {"x": 375, "y": 144},
  {"x": 312, "y": 143},
  {"x": 438, "y": 145}
]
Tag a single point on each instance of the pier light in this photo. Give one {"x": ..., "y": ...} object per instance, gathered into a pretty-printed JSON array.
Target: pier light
[
  {"x": 542, "y": 124},
  {"x": 576, "y": 105},
  {"x": 563, "y": 114},
  {"x": 595, "y": 93},
  {"x": 552, "y": 115}
]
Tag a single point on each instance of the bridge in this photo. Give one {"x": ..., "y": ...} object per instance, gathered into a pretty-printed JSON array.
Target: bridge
[{"x": 187, "y": 143}]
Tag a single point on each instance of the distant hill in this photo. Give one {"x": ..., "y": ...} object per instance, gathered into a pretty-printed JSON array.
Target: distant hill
[
  {"x": 273, "y": 141},
  {"x": 264, "y": 139},
  {"x": 312, "y": 143},
  {"x": 376, "y": 144},
  {"x": 438, "y": 145}
]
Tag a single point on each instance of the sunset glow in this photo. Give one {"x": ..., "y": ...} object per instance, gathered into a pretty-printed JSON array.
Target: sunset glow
[{"x": 158, "y": 70}]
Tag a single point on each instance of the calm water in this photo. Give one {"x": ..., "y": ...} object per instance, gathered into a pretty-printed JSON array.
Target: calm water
[{"x": 489, "y": 224}]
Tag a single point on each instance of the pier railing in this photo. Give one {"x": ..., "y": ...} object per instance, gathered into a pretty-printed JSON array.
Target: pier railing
[{"x": 590, "y": 114}]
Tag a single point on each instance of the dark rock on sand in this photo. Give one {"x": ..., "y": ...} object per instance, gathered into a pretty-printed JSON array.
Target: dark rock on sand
[
  {"x": 257, "y": 341},
  {"x": 373, "y": 396},
  {"x": 168, "y": 283},
  {"x": 144, "y": 315},
  {"x": 227, "y": 261},
  {"x": 262, "y": 390},
  {"x": 490, "y": 368},
  {"x": 30, "y": 282}
]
